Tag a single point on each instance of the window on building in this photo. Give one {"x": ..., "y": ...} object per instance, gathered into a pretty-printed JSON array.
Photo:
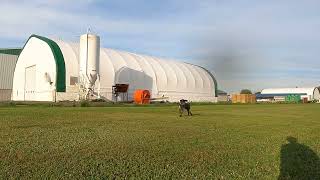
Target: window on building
[{"x": 73, "y": 80}]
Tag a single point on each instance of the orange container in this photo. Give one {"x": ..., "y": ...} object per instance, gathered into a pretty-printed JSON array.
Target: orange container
[{"x": 142, "y": 96}]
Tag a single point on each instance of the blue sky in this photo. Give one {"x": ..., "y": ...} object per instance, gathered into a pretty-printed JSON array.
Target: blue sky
[{"x": 245, "y": 43}]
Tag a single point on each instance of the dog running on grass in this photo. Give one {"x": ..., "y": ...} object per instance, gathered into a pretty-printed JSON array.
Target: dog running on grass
[{"x": 184, "y": 105}]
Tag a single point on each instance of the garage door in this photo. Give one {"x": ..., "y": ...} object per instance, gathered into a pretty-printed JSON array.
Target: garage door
[{"x": 30, "y": 83}]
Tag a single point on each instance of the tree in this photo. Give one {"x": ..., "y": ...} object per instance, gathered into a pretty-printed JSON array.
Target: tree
[{"x": 245, "y": 91}]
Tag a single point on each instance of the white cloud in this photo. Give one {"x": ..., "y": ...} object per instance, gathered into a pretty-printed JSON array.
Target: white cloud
[{"x": 268, "y": 38}]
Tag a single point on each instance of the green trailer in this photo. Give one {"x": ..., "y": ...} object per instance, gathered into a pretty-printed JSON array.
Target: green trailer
[{"x": 293, "y": 98}]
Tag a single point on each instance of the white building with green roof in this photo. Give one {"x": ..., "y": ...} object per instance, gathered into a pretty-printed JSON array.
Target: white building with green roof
[{"x": 48, "y": 70}]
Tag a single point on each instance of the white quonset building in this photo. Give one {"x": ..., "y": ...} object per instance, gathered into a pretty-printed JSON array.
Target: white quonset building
[
  {"x": 48, "y": 70},
  {"x": 310, "y": 93}
]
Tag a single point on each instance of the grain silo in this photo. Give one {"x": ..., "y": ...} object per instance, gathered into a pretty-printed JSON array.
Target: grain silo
[{"x": 89, "y": 65}]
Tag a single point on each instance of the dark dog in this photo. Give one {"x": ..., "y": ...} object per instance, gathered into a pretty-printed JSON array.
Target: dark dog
[{"x": 184, "y": 105}]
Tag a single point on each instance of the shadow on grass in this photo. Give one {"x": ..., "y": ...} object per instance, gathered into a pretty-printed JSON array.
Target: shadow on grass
[
  {"x": 186, "y": 115},
  {"x": 298, "y": 161}
]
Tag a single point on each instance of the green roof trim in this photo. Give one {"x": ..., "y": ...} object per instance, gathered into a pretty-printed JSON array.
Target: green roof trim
[
  {"x": 60, "y": 64},
  {"x": 11, "y": 51}
]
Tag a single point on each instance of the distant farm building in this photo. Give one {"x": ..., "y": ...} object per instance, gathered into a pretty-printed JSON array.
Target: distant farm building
[
  {"x": 289, "y": 94},
  {"x": 222, "y": 96}
]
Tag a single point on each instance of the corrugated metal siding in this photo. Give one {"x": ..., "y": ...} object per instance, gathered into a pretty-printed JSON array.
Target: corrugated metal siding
[
  {"x": 7, "y": 66},
  {"x": 5, "y": 94}
]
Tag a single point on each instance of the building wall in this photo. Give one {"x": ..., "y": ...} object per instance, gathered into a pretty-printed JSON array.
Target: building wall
[
  {"x": 5, "y": 94},
  {"x": 222, "y": 98},
  {"x": 37, "y": 55},
  {"x": 168, "y": 78},
  {"x": 243, "y": 98},
  {"x": 7, "y": 66}
]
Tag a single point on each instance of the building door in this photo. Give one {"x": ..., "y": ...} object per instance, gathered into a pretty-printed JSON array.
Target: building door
[{"x": 30, "y": 83}]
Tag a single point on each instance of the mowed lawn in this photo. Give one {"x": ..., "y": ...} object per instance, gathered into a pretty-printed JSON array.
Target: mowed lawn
[{"x": 218, "y": 142}]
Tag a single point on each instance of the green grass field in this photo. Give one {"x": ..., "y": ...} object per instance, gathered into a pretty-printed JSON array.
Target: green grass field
[{"x": 218, "y": 142}]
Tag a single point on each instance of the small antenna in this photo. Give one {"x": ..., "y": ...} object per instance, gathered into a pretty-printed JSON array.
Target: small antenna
[{"x": 88, "y": 30}]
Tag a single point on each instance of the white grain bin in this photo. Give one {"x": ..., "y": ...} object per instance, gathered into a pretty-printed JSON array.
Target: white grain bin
[{"x": 89, "y": 58}]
